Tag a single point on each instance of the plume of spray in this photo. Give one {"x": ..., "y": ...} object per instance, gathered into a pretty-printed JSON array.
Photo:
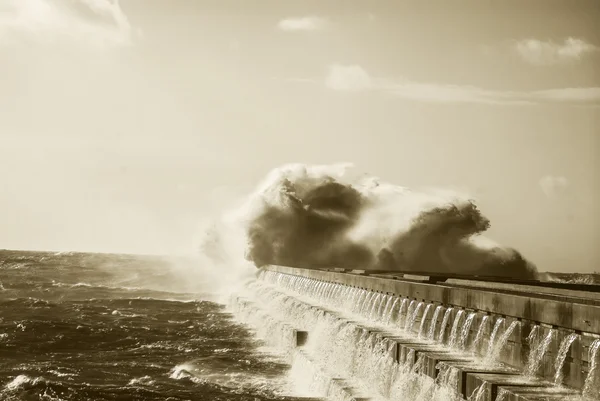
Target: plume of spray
[
  {"x": 221, "y": 248},
  {"x": 325, "y": 216}
]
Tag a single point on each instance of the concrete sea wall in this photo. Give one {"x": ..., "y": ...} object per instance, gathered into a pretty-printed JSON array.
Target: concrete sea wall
[{"x": 492, "y": 342}]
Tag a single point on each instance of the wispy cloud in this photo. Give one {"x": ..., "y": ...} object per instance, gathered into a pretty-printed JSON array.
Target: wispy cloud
[
  {"x": 553, "y": 185},
  {"x": 311, "y": 23},
  {"x": 442, "y": 93},
  {"x": 91, "y": 22},
  {"x": 354, "y": 78},
  {"x": 540, "y": 52},
  {"x": 348, "y": 78}
]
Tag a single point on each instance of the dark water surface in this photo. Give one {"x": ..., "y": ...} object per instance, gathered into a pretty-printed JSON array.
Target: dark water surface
[{"x": 112, "y": 327}]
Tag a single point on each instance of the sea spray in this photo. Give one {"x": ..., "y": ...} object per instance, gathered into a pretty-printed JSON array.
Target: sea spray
[
  {"x": 359, "y": 301},
  {"x": 392, "y": 314},
  {"x": 591, "y": 386},
  {"x": 423, "y": 321},
  {"x": 502, "y": 395},
  {"x": 366, "y": 303},
  {"x": 382, "y": 313},
  {"x": 402, "y": 312},
  {"x": 455, "y": 325},
  {"x": 375, "y": 306},
  {"x": 479, "y": 335},
  {"x": 491, "y": 343},
  {"x": 389, "y": 309},
  {"x": 323, "y": 215},
  {"x": 444, "y": 324},
  {"x": 413, "y": 318},
  {"x": 446, "y": 387},
  {"x": 538, "y": 346},
  {"x": 499, "y": 345},
  {"x": 369, "y": 362},
  {"x": 409, "y": 313},
  {"x": 480, "y": 393},
  {"x": 563, "y": 351},
  {"x": 433, "y": 324},
  {"x": 465, "y": 331}
]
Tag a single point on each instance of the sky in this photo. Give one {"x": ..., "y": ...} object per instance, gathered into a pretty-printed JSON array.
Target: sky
[{"x": 124, "y": 125}]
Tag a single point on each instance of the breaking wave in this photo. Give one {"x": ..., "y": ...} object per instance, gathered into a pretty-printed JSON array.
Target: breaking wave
[{"x": 323, "y": 216}]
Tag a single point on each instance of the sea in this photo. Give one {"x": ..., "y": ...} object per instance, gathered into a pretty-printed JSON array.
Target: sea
[
  {"x": 77, "y": 326},
  {"x": 81, "y": 326}
]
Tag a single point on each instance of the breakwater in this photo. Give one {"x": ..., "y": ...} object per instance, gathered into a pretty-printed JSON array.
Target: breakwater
[{"x": 351, "y": 336}]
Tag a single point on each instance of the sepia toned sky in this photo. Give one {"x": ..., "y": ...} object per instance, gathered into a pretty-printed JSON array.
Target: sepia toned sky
[{"x": 125, "y": 124}]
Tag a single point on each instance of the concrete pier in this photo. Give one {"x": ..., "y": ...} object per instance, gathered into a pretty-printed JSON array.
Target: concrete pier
[{"x": 555, "y": 312}]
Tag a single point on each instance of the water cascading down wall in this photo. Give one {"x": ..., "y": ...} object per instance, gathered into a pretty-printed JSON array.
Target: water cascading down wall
[{"x": 351, "y": 336}]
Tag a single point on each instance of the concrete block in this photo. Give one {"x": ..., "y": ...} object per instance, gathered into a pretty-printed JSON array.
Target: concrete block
[
  {"x": 301, "y": 338},
  {"x": 517, "y": 393},
  {"x": 475, "y": 367},
  {"x": 431, "y": 360},
  {"x": 414, "y": 350},
  {"x": 489, "y": 383}
]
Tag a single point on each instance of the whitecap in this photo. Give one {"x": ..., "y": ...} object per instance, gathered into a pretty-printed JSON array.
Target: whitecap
[
  {"x": 144, "y": 381},
  {"x": 183, "y": 371},
  {"x": 62, "y": 374},
  {"x": 20, "y": 381}
]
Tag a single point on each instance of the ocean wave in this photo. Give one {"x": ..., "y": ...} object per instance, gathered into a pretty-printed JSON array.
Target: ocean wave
[
  {"x": 21, "y": 383},
  {"x": 573, "y": 278},
  {"x": 235, "y": 382},
  {"x": 141, "y": 381},
  {"x": 165, "y": 345},
  {"x": 64, "y": 253},
  {"x": 27, "y": 302},
  {"x": 117, "y": 312},
  {"x": 243, "y": 382},
  {"x": 320, "y": 216},
  {"x": 98, "y": 286},
  {"x": 14, "y": 265},
  {"x": 114, "y": 303},
  {"x": 62, "y": 374},
  {"x": 24, "y": 387},
  {"x": 184, "y": 371},
  {"x": 184, "y": 301}
]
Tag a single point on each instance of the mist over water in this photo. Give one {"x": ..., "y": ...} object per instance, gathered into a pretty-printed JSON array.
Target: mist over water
[{"x": 327, "y": 216}]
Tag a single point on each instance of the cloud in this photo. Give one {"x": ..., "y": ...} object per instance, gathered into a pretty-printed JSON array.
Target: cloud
[
  {"x": 302, "y": 24},
  {"x": 347, "y": 78},
  {"x": 539, "y": 52},
  {"x": 443, "y": 93},
  {"x": 552, "y": 185},
  {"x": 354, "y": 78},
  {"x": 90, "y": 22}
]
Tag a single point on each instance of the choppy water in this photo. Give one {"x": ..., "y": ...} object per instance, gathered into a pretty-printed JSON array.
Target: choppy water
[{"x": 110, "y": 327}]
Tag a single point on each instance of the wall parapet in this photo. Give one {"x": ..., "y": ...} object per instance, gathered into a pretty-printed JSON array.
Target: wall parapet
[{"x": 566, "y": 312}]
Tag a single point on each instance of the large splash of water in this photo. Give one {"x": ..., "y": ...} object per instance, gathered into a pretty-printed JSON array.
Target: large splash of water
[{"x": 324, "y": 216}]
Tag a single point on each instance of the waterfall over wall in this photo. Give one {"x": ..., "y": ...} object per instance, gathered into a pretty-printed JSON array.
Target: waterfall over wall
[{"x": 345, "y": 341}]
